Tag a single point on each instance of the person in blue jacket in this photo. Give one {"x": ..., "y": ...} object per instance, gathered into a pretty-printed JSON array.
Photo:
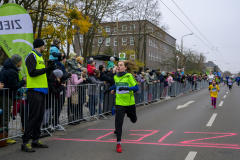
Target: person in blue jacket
[
  {"x": 54, "y": 50},
  {"x": 238, "y": 80},
  {"x": 227, "y": 78}
]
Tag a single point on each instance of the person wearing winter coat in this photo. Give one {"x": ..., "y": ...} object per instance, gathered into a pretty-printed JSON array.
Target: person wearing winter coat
[
  {"x": 75, "y": 110},
  {"x": 10, "y": 79},
  {"x": 91, "y": 67},
  {"x": 73, "y": 66},
  {"x": 111, "y": 63},
  {"x": 56, "y": 87},
  {"x": 92, "y": 91},
  {"x": 149, "y": 82},
  {"x": 54, "y": 50}
]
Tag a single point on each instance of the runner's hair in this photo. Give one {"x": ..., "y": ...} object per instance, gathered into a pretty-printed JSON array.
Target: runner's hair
[{"x": 130, "y": 65}]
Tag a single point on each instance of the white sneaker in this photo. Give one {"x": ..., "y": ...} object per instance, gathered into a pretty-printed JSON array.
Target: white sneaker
[{"x": 58, "y": 128}]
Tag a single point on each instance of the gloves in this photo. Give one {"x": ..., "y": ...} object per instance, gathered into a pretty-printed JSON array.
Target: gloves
[
  {"x": 106, "y": 91},
  {"x": 51, "y": 66},
  {"x": 123, "y": 88}
]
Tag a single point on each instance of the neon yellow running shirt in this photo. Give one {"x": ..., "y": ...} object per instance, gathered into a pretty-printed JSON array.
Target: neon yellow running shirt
[{"x": 125, "y": 98}]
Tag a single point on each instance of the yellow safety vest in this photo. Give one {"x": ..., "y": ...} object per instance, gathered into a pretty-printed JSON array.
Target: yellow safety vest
[{"x": 39, "y": 81}]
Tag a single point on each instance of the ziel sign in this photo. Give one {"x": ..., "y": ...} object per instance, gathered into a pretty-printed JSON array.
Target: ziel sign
[{"x": 16, "y": 32}]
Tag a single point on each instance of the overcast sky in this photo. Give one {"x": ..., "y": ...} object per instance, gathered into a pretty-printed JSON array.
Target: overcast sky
[{"x": 218, "y": 21}]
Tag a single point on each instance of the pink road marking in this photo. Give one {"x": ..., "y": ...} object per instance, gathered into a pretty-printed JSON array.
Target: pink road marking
[
  {"x": 229, "y": 134},
  {"x": 101, "y": 129},
  {"x": 165, "y": 136},
  {"x": 160, "y": 144},
  {"x": 105, "y": 135}
]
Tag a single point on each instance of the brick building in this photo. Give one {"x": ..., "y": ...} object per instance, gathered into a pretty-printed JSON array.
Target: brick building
[{"x": 133, "y": 35}]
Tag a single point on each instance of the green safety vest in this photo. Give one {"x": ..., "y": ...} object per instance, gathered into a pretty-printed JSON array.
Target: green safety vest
[
  {"x": 125, "y": 98},
  {"x": 39, "y": 81}
]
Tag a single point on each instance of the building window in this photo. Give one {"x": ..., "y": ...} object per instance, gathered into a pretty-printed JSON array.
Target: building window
[
  {"x": 115, "y": 41},
  {"x": 115, "y": 29},
  {"x": 149, "y": 56},
  {"x": 115, "y": 54},
  {"x": 124, "y": 41},
  {"x": 124, "y": 27},
  {"x": 99, "y": 41},
  {"x": 156, "y": 57},
  {"x": 99, "y": 30},
  {"x": 81, "y": 38},
  {"x": 132, "y": 41},
  {"x": 132, "y": 28},
  {"x": 107, "y": 41},
  {"x": 107, "y": 29}
]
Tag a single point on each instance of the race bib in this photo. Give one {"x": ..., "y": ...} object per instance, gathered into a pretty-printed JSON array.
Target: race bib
[
  {"x": 121, "y": 84},
  {"x": 214, "y": 89}
]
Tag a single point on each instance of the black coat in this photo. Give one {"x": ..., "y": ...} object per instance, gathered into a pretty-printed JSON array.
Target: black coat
[
  {"x": 106, "y": 78},
  {"x": 9, "y": 76},
  {"x": 55, "y": 88}
]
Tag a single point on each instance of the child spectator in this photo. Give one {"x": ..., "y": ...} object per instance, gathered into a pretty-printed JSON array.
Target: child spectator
[
  {"x": 111, "y": 63},
  {"x": 91, "y": 67},
  {"x": 54, "y": 50}
]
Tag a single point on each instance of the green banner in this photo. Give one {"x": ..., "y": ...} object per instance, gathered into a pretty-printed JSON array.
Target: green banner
[{"x": 16, "y": 32}]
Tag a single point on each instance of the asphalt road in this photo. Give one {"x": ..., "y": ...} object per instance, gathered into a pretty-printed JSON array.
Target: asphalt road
[{"x": 163, "y": 132}]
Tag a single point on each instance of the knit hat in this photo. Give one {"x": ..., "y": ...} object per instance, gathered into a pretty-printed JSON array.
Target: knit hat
[
  {"x": 163, "y": 73},
  {"x": 16, "y": 58},
  {"x": 72, "y": 54},
  {"x": 57, "y": 73},
  {"x": 79, "y": 59},
  {"x": 90, "y": 61},
  {"x": 56, "y": 41},
  {"x": 150, "y": 73},
  {"x": 38, "y": 43},
  {"x": 112, "y": 59},
  {"x": 147, "y": 69},
  {"x": 158, "y": 69}
]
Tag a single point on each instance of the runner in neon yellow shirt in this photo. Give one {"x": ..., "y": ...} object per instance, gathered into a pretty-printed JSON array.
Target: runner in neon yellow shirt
[{"x": 125, "y": 86}]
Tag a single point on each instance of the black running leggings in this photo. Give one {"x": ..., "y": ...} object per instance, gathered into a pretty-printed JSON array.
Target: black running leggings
[{"x": 120, "y": 113}]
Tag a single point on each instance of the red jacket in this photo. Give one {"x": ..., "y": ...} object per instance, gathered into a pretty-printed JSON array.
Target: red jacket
[{"x": 90, "y": 69}]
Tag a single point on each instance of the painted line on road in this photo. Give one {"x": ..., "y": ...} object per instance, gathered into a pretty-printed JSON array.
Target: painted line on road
[
  {"x": 191, "y": 155},
  {"x": 209, "y": 124},
  {"x": 224, "y": 96},
  {"x": 221, "y": 103},
  {"x": 227, "y": 92}
]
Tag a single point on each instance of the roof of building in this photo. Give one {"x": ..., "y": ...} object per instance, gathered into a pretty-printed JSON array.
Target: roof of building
[{"x": 102, "y": 57}]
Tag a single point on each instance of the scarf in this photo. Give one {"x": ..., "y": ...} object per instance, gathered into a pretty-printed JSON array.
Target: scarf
[{"x": 120, "y": 74}]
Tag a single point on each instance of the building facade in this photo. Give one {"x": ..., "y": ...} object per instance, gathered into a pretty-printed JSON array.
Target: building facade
[{"x": 141, "y": 40}]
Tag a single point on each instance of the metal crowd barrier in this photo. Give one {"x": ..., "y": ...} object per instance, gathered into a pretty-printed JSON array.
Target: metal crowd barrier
[{"x": 77, "y": 103}]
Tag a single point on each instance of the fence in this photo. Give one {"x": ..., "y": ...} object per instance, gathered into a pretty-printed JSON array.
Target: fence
[{"x": 78, "y": 103}]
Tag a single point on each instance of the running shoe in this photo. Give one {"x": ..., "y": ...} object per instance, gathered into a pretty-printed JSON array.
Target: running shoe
[
  {"x": 10, "y": 141},
  {"x": 119, "y": 148},
  {"x": 39, "y": 144},
  {"x": 215, "y": 107},
  {"x": 27, "y": 148}
]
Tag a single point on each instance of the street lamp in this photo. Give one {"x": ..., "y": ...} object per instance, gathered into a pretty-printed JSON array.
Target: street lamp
[
  {"x": 117, "y": 24},
  {"x": 182, "y": 41}
]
